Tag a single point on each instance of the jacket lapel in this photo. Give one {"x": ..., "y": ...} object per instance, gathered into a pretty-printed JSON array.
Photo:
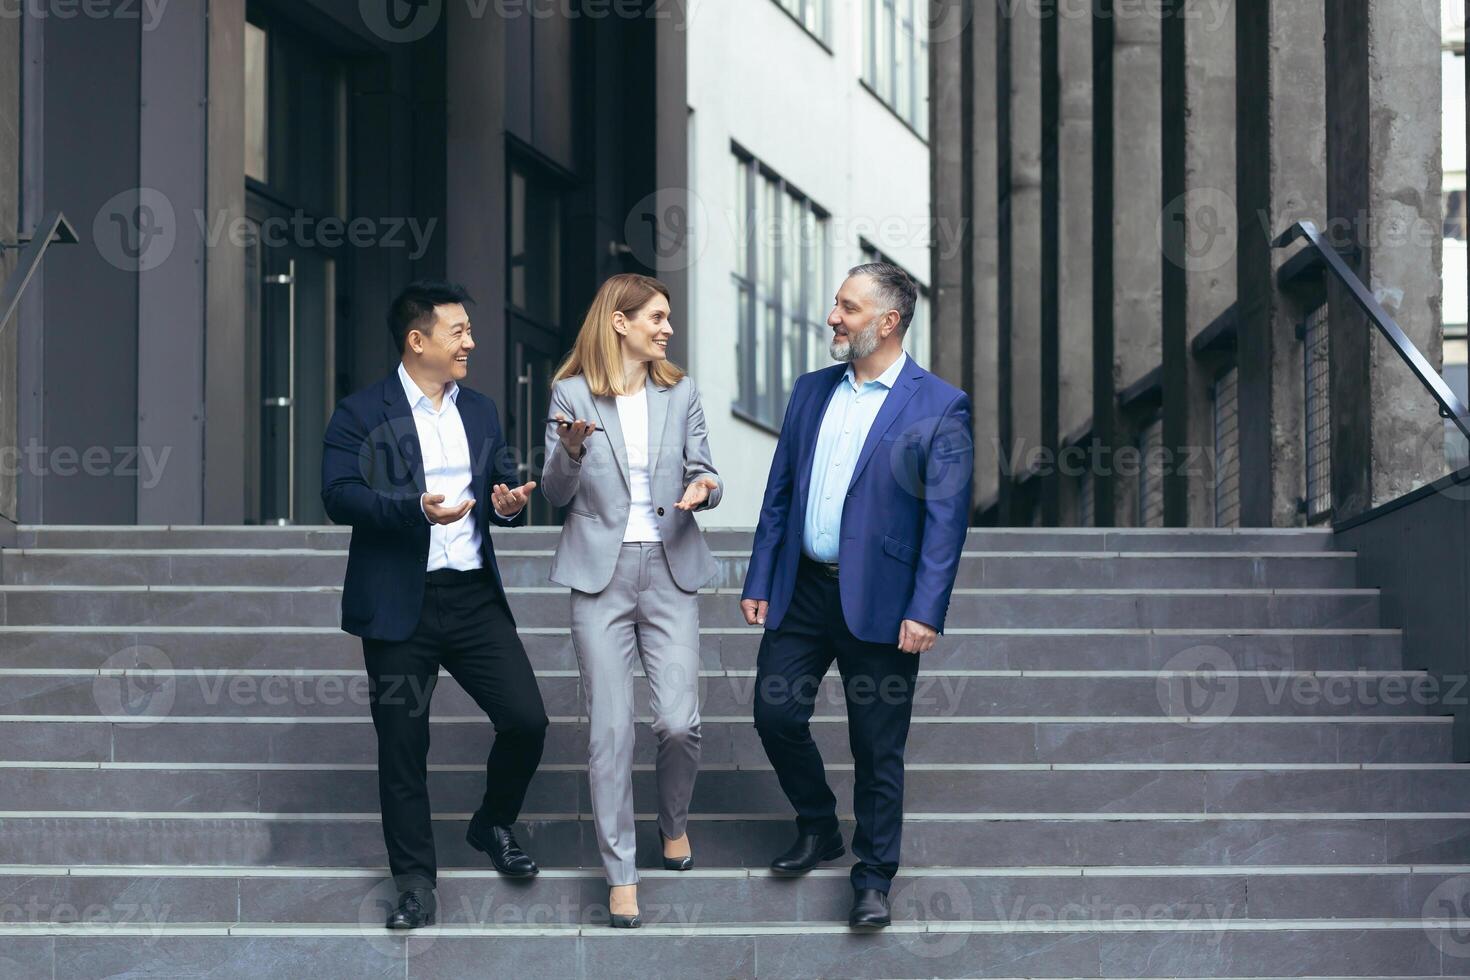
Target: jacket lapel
[
  {"x": 474, "y": 434},
  {"x": 893, "y": 405},
  {"x": 405, "y": 451},
  {"x": 658, "y": 421},
  {"x": 607, "y": 417}
]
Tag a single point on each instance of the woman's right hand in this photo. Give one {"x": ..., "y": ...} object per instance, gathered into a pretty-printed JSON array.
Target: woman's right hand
[{"x": 573, "y": 435}]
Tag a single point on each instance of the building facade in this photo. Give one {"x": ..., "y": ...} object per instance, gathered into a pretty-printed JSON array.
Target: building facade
[
  {"x": 806, "y": 160},
  {"x": 1141, "y": 350},
  {"x": 253, "y": 180}
]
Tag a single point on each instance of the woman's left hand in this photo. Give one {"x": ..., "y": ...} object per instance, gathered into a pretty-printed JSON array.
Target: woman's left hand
[{"x": 697, "y": 493}]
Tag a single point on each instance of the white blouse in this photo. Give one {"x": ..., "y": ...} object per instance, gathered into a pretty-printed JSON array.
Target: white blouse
[{"x": 633, "y": 417}]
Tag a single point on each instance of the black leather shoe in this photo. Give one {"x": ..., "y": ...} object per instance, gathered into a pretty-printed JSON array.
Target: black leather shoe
[
  {"x": 808, "y": 851},
  {"x": 505, "y": 853},
  {"x": 869, "y": 909},
  {"x": 414, "y": 911}
]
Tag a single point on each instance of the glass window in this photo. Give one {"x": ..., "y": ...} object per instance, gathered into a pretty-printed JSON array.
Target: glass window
[
  {"x": 1151, "y": 475},
  {"x": 781, "y": 308},
  {"x": 1227, "y": 449},
  {"x": 534, "y": 245},
  {"x": 896, "y": 58},
  {"x": 255, "y": 103},
  {"x": 811, "y": 14}
]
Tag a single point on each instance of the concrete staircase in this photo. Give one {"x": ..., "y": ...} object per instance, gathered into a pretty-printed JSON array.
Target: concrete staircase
[{"x": 1135, "y": 754}]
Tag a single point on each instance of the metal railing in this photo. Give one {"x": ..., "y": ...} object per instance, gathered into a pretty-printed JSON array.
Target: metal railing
[
  {"x": 54, "y": 229},
  {"x": 1450, "y": 406}
]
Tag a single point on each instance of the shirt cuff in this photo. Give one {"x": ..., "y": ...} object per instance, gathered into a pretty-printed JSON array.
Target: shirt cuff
[{"x": 422, "y": 510}]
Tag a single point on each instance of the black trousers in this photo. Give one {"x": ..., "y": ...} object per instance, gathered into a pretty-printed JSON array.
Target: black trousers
[
  {"x": 465, "y": 626},
  {"x": 878, "y": 686}
]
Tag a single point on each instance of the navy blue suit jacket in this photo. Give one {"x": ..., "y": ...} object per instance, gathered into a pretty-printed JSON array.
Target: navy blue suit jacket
[
  {"x": 373, "y": 478},
  {"x": 907, "y": 510}
]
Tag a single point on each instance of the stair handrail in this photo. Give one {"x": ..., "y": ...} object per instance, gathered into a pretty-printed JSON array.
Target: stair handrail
[
  {"x": 1450, "y": 406},
  {"x": 54, "y": 228}
]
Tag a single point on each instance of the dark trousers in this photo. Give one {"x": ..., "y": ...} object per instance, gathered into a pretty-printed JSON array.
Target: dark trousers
[
  {"x": 465, "y": 626},
  {"x": 878, "y": 685}
]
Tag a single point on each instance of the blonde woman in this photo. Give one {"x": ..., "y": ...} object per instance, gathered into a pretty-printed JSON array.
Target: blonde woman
[{"x": 628, "y": 456}]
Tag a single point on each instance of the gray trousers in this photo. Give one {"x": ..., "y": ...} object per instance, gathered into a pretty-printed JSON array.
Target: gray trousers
[{"x": 641, "y": 616}]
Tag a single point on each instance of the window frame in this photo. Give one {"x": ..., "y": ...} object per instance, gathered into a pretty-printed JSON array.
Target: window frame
[
  {"x": 884, "y": 84},
  {"x": 762, "y": 301},
  {"x": 822, "y": 36}
]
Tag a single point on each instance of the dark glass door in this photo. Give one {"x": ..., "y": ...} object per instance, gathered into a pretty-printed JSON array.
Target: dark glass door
[
  {"x": 291, "y": 325},
  {"x": 536, "y": 334}
]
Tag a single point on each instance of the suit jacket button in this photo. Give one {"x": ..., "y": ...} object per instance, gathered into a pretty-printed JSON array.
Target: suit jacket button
[{"x": 660, "y": 512}]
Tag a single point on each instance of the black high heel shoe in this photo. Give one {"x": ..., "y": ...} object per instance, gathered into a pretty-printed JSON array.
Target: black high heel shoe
[
  {"x": 622, "y": 921},
  {"x": 685, "y": 863}
]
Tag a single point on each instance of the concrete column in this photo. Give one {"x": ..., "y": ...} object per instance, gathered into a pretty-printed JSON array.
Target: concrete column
[
  {"x": 1210, "y": 235},
  {"x": 173, "y": 127},
  {"x": 1049, "y": 505},
  {"x": 1074, "y": 291},
  {"x": 9, "y": 225},
  {"x": 984, "y": 261},
  {"x": 1023, "y": 378},
  {"x": 30, "y": 337},
  {"x": 224, "y": 275},
  {"x": 1280, "y": 107},
  {"x": 1384, "y": 186},
  {"x": 950, "y": 175},
  {"x": 475, "y": 176},
  {"x": 1137, "y": 183},
  {"x": 963, "y": 73},
  {"x": 671, "y": 123}
]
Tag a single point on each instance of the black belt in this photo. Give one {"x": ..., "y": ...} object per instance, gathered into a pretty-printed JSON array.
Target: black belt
[
  {"x": 456, "y": 576},
  {"x": 827, "y": 568}
]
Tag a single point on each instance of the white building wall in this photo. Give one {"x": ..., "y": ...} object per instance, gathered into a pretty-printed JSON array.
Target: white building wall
[{"x": 758, "y": 79}]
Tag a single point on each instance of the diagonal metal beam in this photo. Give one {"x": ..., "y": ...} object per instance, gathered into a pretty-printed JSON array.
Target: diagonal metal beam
[
  {"x": 54, "y": 229},
  {"x": 1450, "y": 405}
]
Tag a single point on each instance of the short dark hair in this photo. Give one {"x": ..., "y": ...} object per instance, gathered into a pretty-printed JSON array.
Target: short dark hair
[
  {"x": 895, "y": 290},
  {"x": 414, "y": 307}
]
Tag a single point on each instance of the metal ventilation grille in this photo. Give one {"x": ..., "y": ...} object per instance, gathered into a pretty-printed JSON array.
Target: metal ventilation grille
[
  {"x": 1317, "y": 413},
  {"x": 1227, "y": 450},
  {"x": 1151, "y": 476}
]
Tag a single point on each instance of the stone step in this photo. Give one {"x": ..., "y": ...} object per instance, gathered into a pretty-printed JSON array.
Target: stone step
[
  {"x": 729, "y": 648},
  {"x": 277, "y": 606},
  {"x": 719, "y": 538},
  {"x": 326, "y": 740},
  {"x": 1317, "y": 948},
  {"x": 1199, "y": 693},
  {"x": 478, "y": 896},
  {"x": 199, "y": 788},
  {"x": 518, "y": 567},
  {"x": 566, "y": 840}
]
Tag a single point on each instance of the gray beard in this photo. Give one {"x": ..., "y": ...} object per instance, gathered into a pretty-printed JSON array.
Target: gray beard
[{"x": 858, "y": 346}]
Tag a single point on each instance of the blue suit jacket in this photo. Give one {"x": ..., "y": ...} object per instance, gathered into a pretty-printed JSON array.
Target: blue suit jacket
[
  {"x": 907, "y": 510},
  {"x": 372, "y": 479}
]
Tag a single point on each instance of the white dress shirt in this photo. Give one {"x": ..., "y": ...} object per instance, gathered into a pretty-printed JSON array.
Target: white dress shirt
[
  {"x": 446, "y": 453},
  {"x": 633, "y": 418}
]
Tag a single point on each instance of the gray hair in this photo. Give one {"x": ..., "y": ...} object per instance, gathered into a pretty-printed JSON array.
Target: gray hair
[{"x": 892, "y": 287}]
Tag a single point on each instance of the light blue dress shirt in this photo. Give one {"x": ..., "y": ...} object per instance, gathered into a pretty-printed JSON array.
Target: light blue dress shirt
[{"x": 845, "y": 426}]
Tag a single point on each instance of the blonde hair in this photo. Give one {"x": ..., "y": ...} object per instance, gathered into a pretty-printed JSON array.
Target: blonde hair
[{"x": 597, "y": 354}]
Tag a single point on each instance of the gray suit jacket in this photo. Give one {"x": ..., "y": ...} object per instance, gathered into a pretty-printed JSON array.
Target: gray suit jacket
[{"x": 597, "y": 490}]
